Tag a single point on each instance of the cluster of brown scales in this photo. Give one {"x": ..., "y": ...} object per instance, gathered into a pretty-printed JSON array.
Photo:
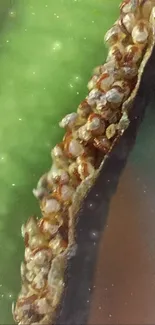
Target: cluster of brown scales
[{"x": 90, "y": 135}]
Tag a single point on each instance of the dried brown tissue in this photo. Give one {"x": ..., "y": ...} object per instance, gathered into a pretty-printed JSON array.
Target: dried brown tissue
[{"x": 26, "y": 310}]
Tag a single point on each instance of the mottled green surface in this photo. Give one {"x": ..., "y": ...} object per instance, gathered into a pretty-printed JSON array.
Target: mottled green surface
[{"x": 47, "y": 51}]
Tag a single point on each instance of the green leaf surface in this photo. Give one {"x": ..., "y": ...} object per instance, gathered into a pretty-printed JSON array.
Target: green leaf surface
[{"x": 47, "y": 52}]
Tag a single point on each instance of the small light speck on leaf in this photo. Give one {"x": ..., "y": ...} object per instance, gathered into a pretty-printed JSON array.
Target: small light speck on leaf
[{"x": 12, "y": 14}]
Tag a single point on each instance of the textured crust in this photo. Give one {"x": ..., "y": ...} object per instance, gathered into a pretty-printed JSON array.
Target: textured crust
[
  {"x": 58, "y": 264},
  {"x": 86, "y": 185},
  {"x": 128, "y": 104}
]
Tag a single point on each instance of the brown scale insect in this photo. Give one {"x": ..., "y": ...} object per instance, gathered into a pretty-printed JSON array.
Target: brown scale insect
[
  {"x": 99, "y": 70},
  {"x": 95, "y": 124},
  {"x": 92, "y": 82},
  {"x": 140, "y": 33},
  {"x": 128, "y": 6},
  {"x": 69, "y": 121},
  {"x": 133, "y": 53},
  {"x": 31, "y": 234},
  {"x": 85, "y": 168},
  {"x": 110, "y": 67},
  {"x": 41, "y": 256},
  {"x": 106, "y": 114},
  {"x": 58, "y": 155},
  {"x": 105, "y": 81},
  {"x": 84, "y": 135},
  {"x": 116, "y": 52},
  {"x": 50, "y": 226},
  {"x": 72, "y": 147},
  {"x": 55, "y": 176},
  {"x": 84, "y": 109},
  {"x": 102, "y": 144},
  {"x": 111, "y": 131},
  {"x": 114, "y": 116},
  {"x": 93, "y": 97},
  {"x": 113, "y": 35},
  {"x": 57, "y": 244},
  {"x": 64, "y": 193},
  {"x": 73, "y": 172},
  {"x": 129, "y": 22},
  {"x": 129, "y": 70},
  {"x": 124, "y": 87},
  {"x": 115, "y": 96},
  {"x": 101, "y": 104},
  {"x": 50, "y": 205},
  {"x": 23, "y": 307}
]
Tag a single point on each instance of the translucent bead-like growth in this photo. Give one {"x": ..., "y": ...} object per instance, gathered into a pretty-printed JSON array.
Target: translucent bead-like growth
[
  {"x": 113, "y": 35},
  {"x": 133, "y": 53},
  {"x": 128, "y": 22},
  {"x": 123, "y": 87},
  {"x": 57, "y": 175},
  {"x": 92, "y": 82},
  {"x": 140, "y": 33},
  {"x": 73, "y": 148},
  {"x": 51, "y": 205},
  {"x": 128, "y": 6},
  {"x": 129, "y": 70},
  {"x": 69, "y": 121},
  {"x": 115, "y": 96},
  {"x": 84, "y": 134},
  {"x": 111, "y": 131},
  {"x": 116, "y": 52},
  {"x": 59, "y": 157},
  {"x": 85, "y": 168},
  {"x": 84, "y": 109},
  {"x": 102, "y": 143},
  {"x": 95, "y": 124},
  {"x": 93, "y": 97},
  {"x": 105, "y": 81}
]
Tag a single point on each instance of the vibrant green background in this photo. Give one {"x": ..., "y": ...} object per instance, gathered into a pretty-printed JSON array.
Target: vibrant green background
[{"x": 47, "y": 52}]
